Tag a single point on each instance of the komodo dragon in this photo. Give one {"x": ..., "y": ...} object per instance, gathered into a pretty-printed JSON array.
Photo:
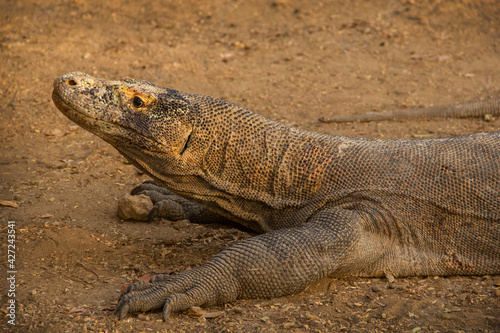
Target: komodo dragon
[
  {"x": 327, "y": 206},
  {"x": 468, "y": 109}
]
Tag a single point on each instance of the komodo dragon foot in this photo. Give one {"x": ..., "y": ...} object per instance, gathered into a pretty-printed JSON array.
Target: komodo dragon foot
[
  {"x": 173, "y": 207},
  {"x": 195, "y": 287}
]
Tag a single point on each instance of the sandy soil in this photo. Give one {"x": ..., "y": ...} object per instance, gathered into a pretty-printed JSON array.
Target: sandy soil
[{"x": 292, "y": 61}]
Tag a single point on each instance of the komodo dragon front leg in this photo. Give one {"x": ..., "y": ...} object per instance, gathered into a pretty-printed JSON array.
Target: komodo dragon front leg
[{"x": 274, "y": 264}]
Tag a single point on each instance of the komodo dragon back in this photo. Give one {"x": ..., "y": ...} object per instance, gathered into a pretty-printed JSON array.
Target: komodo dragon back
[{"x": 323, "y": 205}]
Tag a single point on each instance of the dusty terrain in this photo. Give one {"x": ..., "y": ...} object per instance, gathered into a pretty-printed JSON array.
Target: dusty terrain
[{"x": 292, "y": 61}]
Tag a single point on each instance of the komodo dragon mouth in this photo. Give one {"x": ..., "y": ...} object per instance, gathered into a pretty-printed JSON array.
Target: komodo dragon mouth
[
  {"x": 77, "y": 96},
  {"x": 72, "y": 112}
]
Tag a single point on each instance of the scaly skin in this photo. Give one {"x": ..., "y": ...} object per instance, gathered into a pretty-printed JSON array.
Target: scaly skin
[{"x": 325, "y": 205}]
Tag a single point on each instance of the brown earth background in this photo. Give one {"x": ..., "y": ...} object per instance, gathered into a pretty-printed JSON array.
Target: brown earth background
[{"x": 291, "y": 61}]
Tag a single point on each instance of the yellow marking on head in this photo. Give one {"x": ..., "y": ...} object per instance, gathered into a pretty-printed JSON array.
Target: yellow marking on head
[{"x": 130, "y": 93}]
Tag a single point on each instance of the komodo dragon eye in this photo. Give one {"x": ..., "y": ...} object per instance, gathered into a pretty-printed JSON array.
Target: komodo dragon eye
[{"x": 137, "y": 102}]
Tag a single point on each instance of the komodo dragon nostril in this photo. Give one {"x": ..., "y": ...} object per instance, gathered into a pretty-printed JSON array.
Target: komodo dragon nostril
[{"x": 71, "y": 82}]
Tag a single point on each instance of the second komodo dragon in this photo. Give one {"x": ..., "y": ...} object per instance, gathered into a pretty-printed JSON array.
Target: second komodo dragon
[{"x": 326, "y": 206}]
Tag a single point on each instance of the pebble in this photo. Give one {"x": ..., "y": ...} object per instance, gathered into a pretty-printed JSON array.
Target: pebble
[
  {"x": 135, "y": 207},
  {"x": 143, "y": 317},
  {"x": 310, "y": 316},
  {"x": 196, "y": 311}
]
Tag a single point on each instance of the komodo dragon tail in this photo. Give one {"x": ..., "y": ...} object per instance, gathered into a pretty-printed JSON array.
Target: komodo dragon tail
[{"x": 469, "y": 109}]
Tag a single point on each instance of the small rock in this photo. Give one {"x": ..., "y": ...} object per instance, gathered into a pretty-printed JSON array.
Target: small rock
[
  {"x": 54, "y": 132},
  {"x": 376, "y": 289},
  {"x": 496, "y": 292},
  {"x": 310, "y": 316},
  {"x": 196, "y": 311},
  {"x": 398, "y": 285},
  {"x": 135, "y": 207},
  {"x": 143, "y": 317}
]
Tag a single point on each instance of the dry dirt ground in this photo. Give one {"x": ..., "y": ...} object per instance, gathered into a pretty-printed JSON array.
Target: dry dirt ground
[{"x": 292, "y": 61}]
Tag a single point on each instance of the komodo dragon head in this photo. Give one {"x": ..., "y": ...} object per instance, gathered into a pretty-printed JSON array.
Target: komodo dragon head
[{"x": 159, "y": 130}]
